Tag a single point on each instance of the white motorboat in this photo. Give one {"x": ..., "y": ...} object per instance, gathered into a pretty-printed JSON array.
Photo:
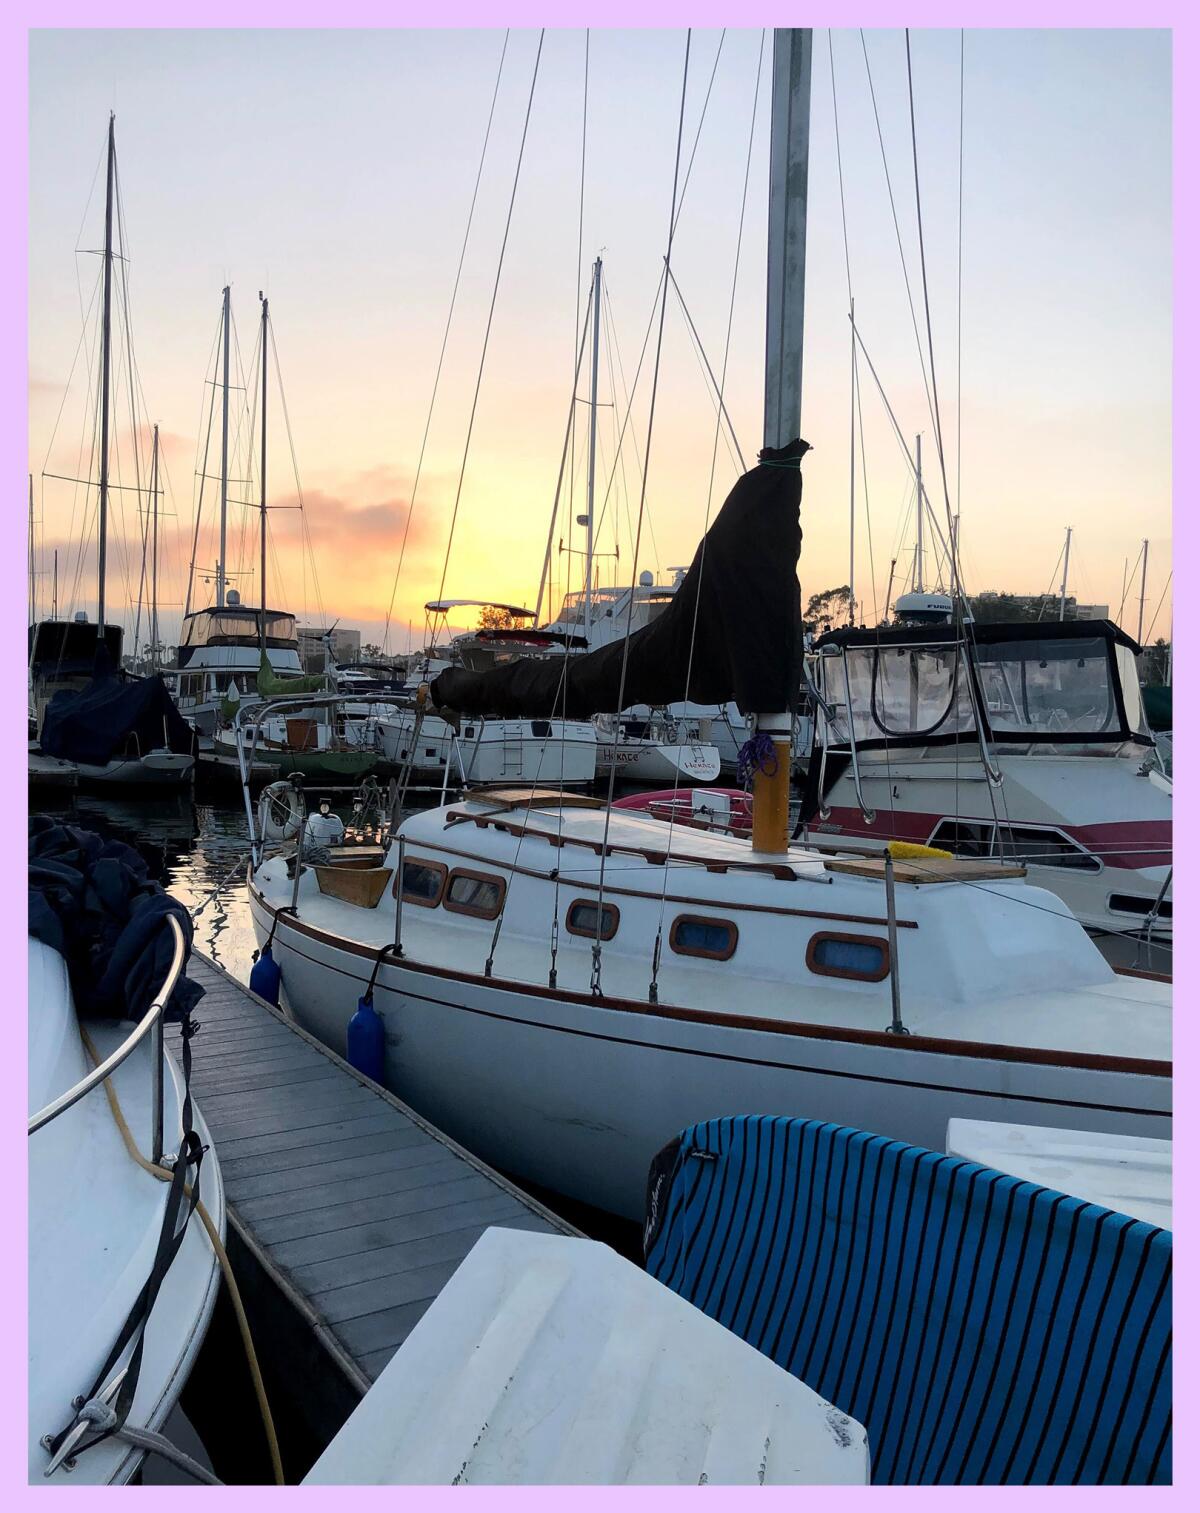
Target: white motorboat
[
  {"x": 481, "y": 750},
  {"x": 95, "y": 1218},
  {"x": 549, "y": 1361},
  {"x": 1023, "y": 743},
  {"x": 1129, "y": 1174},
  {"x": 653, "y": 751}
]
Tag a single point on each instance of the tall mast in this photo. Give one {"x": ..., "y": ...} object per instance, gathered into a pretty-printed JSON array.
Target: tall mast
[
  {"x": 54, "y": 601},
  {"x": 787, "y": 222},
  {"x": 591, "y": 474},
  {"x": 853, "y": 387},
  {"x": 224, "y": 443},
  {"x": 1142, "y": 597},
  {"x": 32, "y": 573},
  {"x": 154, "y": 652},
  {"x": 1062, "y": 598},
  {"x": 105, "y": 367},
  {"x": 262, "y": 528},
  {"x": 919, "y": 566}
]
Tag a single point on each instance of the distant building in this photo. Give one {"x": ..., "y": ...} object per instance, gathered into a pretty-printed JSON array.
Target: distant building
[
  {"x": 992, "y": 605},
  {"x": 346, "y": 646}
]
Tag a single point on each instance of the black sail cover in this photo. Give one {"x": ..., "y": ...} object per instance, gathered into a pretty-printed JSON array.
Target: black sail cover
[{"x": 740, "y": 594}]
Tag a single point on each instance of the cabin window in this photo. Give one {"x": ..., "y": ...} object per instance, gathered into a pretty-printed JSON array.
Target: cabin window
[
  {"x": 1042, "y": 689},
  {"x": 864, "y": 957},
  {"x": 583, "y": 917},
  {"x": 695, "y": 935},
  {"x": 423, "y": 883},
  {"x": 474, "y": 893},
  {"x": 1138, "y": 903},
  {"x": 540, "y": 728},
  {"x": 1027, "y": 845}
]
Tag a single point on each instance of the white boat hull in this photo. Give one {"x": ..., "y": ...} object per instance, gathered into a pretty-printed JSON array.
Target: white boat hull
[
  {"x": 545, "y": 752},
  {"x": 578, "y": 1094},
  {"x": 157, "y": 769},
  {"x": 94, "y": 1223},
  {"x": 657, "y": 763}
]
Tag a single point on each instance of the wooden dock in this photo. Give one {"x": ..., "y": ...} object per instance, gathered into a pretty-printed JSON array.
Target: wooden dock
[{"x": 352, "y": 1212}]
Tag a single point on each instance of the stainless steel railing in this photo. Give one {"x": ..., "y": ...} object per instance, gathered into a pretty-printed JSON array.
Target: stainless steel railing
[{"x": 152, "y": 1025}]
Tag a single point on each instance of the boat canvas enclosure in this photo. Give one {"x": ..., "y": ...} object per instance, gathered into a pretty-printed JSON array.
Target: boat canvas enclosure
[
  {"x": 95, "y": 724},
  {"x": 1061, "y": 683}
]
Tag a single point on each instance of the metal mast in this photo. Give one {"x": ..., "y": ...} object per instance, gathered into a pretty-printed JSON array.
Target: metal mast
[
  {"x": 154, "y": 649},
  {"x": 1142, "y": 597},
  {"x": 786, "y": 227},
  {"x": 32, "y": 574},
  {"x": 787, "y": 222},
  {"x": 224, "y": 444},
  {"x": 262, "y": 529},
  {"x": 919, "y": 565},
  {"x": 1062, "y": 598},
  {"x": 105, "y": 368},
  {"x": 591, "y": 474}
]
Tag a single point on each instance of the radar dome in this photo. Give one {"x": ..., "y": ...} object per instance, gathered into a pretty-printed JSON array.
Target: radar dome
[
  {"x": 233, "y": 597},
  {"x": 646, "y": 579}
]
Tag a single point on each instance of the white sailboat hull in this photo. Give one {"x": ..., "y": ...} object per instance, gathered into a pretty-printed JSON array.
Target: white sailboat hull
[
  {"x": 157, "y": 769},
  {"x": 577, "y": 1094}
]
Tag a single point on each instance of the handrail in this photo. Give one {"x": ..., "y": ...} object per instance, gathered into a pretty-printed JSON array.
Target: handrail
[{"x": 101, "y": 1073}]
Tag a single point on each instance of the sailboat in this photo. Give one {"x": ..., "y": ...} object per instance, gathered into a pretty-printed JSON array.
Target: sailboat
[
  {"x": 111, "y": 729},
  {"x": 563, "y": 986},
  {"x": 223, "y": 637}
]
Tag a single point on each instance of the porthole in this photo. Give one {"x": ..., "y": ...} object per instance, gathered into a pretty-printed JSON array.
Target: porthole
[
  {"x": 583, "y": 916},
  {"x": 475, "y": 893},
  {"x": 423, "y": 883},
  {"x": 697, "y": 935},
  {"x": 866, "y": 958}
]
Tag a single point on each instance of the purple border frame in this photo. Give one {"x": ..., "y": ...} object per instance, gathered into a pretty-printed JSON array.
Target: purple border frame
[{"x": 20, "y": 17}]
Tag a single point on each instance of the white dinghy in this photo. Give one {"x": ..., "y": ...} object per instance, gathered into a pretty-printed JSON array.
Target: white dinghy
[
  {"x": 95, "y": 1219},
  {"x": 553, "y": 1361}
]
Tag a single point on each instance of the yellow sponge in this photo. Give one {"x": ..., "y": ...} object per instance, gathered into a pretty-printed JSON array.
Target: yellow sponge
[{"x": 909, "y": 850}]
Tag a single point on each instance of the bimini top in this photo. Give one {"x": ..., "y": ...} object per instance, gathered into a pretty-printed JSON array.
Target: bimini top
[
  {"x": 444, "y": 606},
  {"x": 981, "y": 635},
  {"x": 1056, "y": 682}
]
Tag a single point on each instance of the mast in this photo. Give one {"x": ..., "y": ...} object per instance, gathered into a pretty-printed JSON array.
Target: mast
[
  {"x": 919, "y": 565},
  {"x": 853, "y": 385},
  {"x": 591, "y": 474},
  {"x": 1142, "y": 597},
  {"x": 224, "y": 444},
  {"x": 1062, "y": 598},
  {"x": 154, "y": 650},
  {"x": 54, "y": 610},
  {"x": 32, "y": 574},
  {"x": 105, "y": 369},
  {"x": 262, "y": 528},
  {"x": 787, "y": 222}
]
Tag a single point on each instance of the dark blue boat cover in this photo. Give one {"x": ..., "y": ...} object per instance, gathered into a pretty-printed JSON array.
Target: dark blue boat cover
[
  {"x": 93, "y": 901},
  {"x": 983, "y": 1329},
  {"x": 112, "y": 718}
]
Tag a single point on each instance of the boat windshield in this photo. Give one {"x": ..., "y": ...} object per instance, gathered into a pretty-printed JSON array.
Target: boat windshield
[
  {"x": 237, "y": 623},
  {"x": 1031, "y": 690}
]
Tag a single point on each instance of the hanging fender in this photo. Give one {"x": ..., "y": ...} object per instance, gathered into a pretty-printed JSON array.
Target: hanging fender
[{"x": 280, "y": 812}]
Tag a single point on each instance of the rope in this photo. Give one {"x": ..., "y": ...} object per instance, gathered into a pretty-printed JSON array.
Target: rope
[
  {"x": 491, "y": 313},
  {"x": 235, "y": 1297},
  {"x": 104, "y": 1418},
  {"x": 757, "y": 755}
]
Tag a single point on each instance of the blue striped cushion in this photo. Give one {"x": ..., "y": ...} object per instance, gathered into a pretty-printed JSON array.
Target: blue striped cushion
[{"x": 983, "y": 1329}]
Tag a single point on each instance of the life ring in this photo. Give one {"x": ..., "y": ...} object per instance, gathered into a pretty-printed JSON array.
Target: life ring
[{"x": 280, "y": 812}]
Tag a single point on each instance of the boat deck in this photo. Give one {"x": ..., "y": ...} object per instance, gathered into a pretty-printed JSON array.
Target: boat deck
[{"x": 359, "y": 1210}]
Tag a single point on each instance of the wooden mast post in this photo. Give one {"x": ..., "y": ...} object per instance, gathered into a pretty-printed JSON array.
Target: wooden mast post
[{"x": 787, "y": 221}]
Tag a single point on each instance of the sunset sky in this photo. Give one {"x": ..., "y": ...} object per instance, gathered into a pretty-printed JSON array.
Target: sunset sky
[{"x": 334, "y": 171}]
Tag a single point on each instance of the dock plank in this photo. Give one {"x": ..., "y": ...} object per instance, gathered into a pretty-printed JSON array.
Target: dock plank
[{"x": 356, "y": 1208}]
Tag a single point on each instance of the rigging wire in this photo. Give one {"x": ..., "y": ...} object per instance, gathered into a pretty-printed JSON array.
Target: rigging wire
[
  {"x": 491, "y": 312},
  {"x": 662, "y": 319},
  {"x": 445, "y": 339}
]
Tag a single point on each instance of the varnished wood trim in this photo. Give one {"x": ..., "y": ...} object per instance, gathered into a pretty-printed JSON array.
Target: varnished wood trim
[
  {"x": 412, "y": 898},
  {"x": 703, "y": 919},
  {"x": 1149, "y": 976},
  {"x": 475, "y": 910},
  {"x": 606, "y": 909},
  {"x": 813, "y": 965},
  {"x": 672, "y": 898},
  {"x": 927, "y": 1044}
]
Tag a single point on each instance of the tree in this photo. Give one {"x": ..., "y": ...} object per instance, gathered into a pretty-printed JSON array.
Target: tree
[
  {"x": 827, "y": 610},
  {"x": 372, "y": 652},
  {"x": 493, "y": 617}
]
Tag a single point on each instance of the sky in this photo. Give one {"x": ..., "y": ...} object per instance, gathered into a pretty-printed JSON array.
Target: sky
[{"x": 334, "y": 171}]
